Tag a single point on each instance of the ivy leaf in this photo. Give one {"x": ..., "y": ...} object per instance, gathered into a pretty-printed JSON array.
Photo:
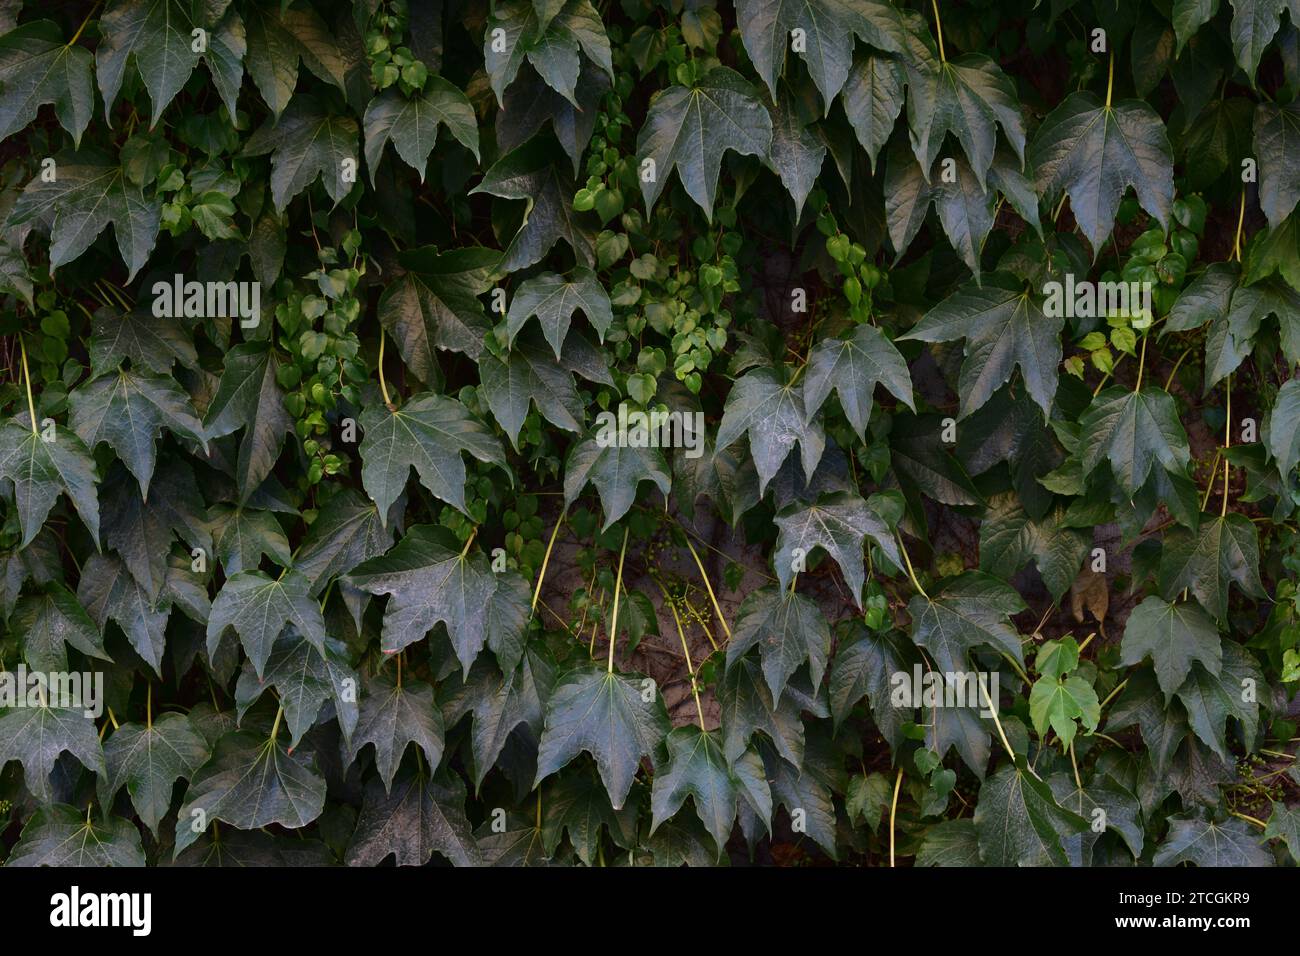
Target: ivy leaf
[
  {"x": 434, "y": 305},
  {"x": 1173, "y": 636},
  {"x": 969, "y": 97},
  {"x": 1133, "y": 430},
  {"x": 393, "y": 716},
  {"x": 428, "y": 434},
  {"x": 950, "y": 843},
  {"x": 47, "y": 622},
  {"x": 148, "y": 760},
  {"x": 747, "y": 705},
  {"x": 35, "y": 736},
  {"x": 305, "y": 674},
  {"x": 606, "y": 715},
  {"x": 837, "y": 524},
  {"x": 347, "y": 530},
  {"x": 529, "y": 375},
  {"x": 1282, "y": 436},
  {"x": 128, "y": 410},
  {"x": 691, "y": 129},
  {"x": 1277, "y": 144},
  {"x": 1211, "y": 697},
  {"x": 697, "y": 769},
  {"x": 530, "y": 173},
  {"x": 1254, "y": 23},
  {"x": 576, "y": 804},
  {"x": 550, "y": 43},
  {"x": 1010, "y": 539},
  {"x": 411, "y": 125},
  {"x": 279, "y": 36},
  {"x": 970, "y": 611},
  {"x": 873, "y": 98},
  {"x": 530, "y": 104},
  {"x": 503, "y": 704},
  {"x": 772, "y": 412},
  {"x": 853, "y": 367},
  {"x": 63, "y": 836},
  {"x": 150, "y": 342},
  {"x": 1284, "y": 824},
  {"x": 1002, "y": 329},
  {"x": 250, "y": 782},
  {"x": 788, "y": 629},
  {"x": 108, "y": 591},
  {"x": 1094, "y": 152},
  {"x": 1121, "y": 809},
  {"x": 1019, "y": 823},
  {"x": 863, "y": 667},
  {"x": 797, "y": 151},
  {"x": 554, "y": 299},
  {"x": 1198, "y": 839},
  {"x": 1223, "y": 550},
  {"x": 417, "y": 816},
  {"x": 306, "y": 143},
  {"x": 616, "y": 470},
  {"x": 158, "y": 36},
  {"x": 1057, "y": 702},
  {"x": 89, "y": 193},
  {"x": 37, "y": 67},
  {"x": 249, "y": 397},
  {"x": 1189, "y": 16},
  {"x": 40, "y": 470},
  {"x": 431, "y": 583},
  {"x": 260, "y": 608},
  {"x": 241, "y": 536}
]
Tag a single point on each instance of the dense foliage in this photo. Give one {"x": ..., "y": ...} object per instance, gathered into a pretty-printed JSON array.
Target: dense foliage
[{"x": 990, "y": 310}]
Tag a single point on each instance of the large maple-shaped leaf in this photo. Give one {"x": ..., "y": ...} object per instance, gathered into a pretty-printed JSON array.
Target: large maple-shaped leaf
[
  {"x": 616, "y": 469},
  {"x": 37, "y": 67},
  {"x": 254, "y": 848},
  {"x": 1003, "y": 329},
  {"x": 864, "y": 666},
  {"x": 1163, "y": 722},
  {"x": 1282, "y": 434},
  {"x": 393, "y": 716},
  {"x": 306, "y": 143},
  {"x": 970, "y": 611},
  {"x": 1010, "y": 539},
  {"x": 279, "y": 36},
  {"x": 1284, "y": 824},
  {"x": 1211, "y": 697},
  {"x": 550, "y": 41},
  {"x": 530, "y": 104},
  {"x": 242, "y": 536},
  {"x": 434, "y": 305},
  {"x": 1173, "y": 636},
  {"x": 411, "y": 125},
  {"x": 89, "y": 192},
  {"x": 428, "y": 433},
  {"x": 148, "y": 759},
  {"x": 35, "y": 736},
  {"x": 47, "y": 623},
  {"x": 128, "y": 410},
  {"x": 747, "y": 705},
  {"x": 772, "y": 412},
  {"x": 1133, "y": 430},
  {"x": 1121, "y": 812},
  {"x": 1277, "y": 144},
  {"x": 305, "y": 675},
  {"x": 430, "y": 582},
  {"x": 1095, "y": 151},
  {"x": 828, "y": 31},
  {"x": 950, "y": 843},
  {"x": 697, "y": 768},
  {"x": 347, "y": 531},
  {"x": 422, "y": 813},
  {"x": 797, "y": 151},
  {"x": 1254, "y": 24},
  {"x": 259, "y": 608},
  {"x": 1222, "y": 551},
  {"x": 1196, "y": 838},
  {"x": 553, "y": 299},
  {"x": 837, "y": 524},
  {"x": 853, "y": 366},
  {"x": 109, "y": 591},
  {"x": 529, "y": 376},
  {"x": 1019, "y": 822},
  {"x": 250, "y": 781},
  {"x": 61, "y": 836},
  {"x": 969, "y": 97},
  {"x": 149, "y": 341},
  {"x": 532, "y": 173},
  {"x": 42, "y": 470},
  {"x": 788, "y": 629},
  {"x": 575, "y": 804},
  {"x": 873, "y": 98},
  {"x": 691, "y": 129},
  {"x": 158, "y": 35},
  {"x": 249, "y": 397},
  {"x": 606, "y": 715}
]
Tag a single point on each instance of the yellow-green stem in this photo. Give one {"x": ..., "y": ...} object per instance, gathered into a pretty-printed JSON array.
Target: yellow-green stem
[
  {"x": 1110, "y": 78},
  {"x": 27, "y": 380},
  {"x": 893, "y": 812},
  {"x": 938, "y": 30},
  {"x": 546, "y": 560},
  {"x": 910, "y": 572},
  {"x": 708, "y": 585},
  {"x": 618, "y": 589},
  {"x": 383, "y": 386}
]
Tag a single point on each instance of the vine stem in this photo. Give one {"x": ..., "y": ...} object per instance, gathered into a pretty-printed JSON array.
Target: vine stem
[
  {"x": 1241, "y": 219},
  {"x": 383, "y": 386},
  {"x": 1249, "y": 819},
  {"x": 275, "y": 728},
  {"x": 938, "y": 32},
  {"x": 708, "y": 585},
  {"x": 76, "y": 36},
  {"x": 910, "y": 572},
  {"x": 27, "y": 380},
  {"x": 1110, "y": 78},
  {"x": 618, "y": 590},
  {"x": 1111, "y": 696},
  {"x": 893, "y": 811},
  {"x": 690, "y": 668},
  {"x": 1170, "y": 380},
  {"x": 1142, "y": 361},
  {"x": 148, "y": 707},
  {"x": 468, "y": 541},
  {"x": 1227, "y": 443},
  {"x": 546, "y": 560},
  {"x": 1075, "y": 764}
]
